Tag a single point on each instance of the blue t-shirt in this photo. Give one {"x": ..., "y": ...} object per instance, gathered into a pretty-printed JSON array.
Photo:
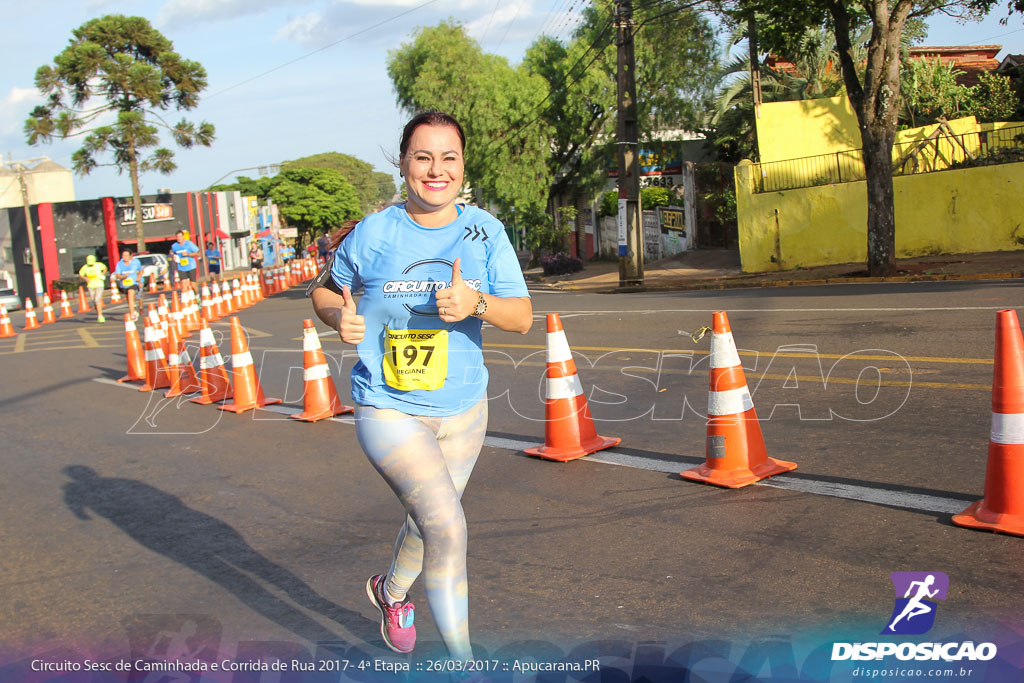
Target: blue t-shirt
[
  {"x": 131, "y": 269},
  {"x": 184, "y": 252},
  {"x": 400, "y": 265},
  {"x": 212, "y": 257}
]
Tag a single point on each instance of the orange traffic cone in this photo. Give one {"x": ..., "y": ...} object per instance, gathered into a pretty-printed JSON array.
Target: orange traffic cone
[
  {"x": 183, "y": 376},
  {"x": 157, "y": 373},
  {"x": 136, "y": 355},
  {"x": 177, "y": 318},
  {"x": 6, "y": 329},
  {"x": 48, "y": 315},
  {"x": 1002, "y": 508},
  {"x": 31, "y": 323},
  {"x": 115, "y": 294},
  {"x": 83, "y": 302},
  {"x": 568, "y": 427},
  {"x": 735, "y": 454},
  {"x": 208, "y": 311},
  {"x": 248, "y": 394},
  {"x": 319, "y": 397},
  {"x": 219, "y": 309},
  {"x": 65, "y": 306},
  {"x": 213, "y": 378},
  {"x": 152, "y": 283}
]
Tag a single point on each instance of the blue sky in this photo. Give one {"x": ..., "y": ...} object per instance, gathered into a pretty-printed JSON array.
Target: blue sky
[{"x": 266, "y": 106}]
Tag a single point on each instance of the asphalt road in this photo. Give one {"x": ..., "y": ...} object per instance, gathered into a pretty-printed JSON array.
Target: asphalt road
[{"x": 126, "y": 516}]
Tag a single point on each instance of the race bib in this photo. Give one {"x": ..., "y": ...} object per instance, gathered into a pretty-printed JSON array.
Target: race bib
[
  {"x": 415, "y": 359},
  {"x": 127, "y": 282},
  {"x": 183, "y": 260}
]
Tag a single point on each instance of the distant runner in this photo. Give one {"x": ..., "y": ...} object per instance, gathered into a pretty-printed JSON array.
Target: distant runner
[
  {"x": 126, "y": 274},
  {"x": 183, "y": 253},
  {"x": 95, "y": 275}
]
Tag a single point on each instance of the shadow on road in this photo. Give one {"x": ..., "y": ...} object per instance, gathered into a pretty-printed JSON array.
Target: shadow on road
[{"x": 161, "y": 522}]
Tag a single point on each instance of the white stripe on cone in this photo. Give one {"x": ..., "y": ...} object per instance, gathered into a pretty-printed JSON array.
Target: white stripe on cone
[
  {"x": 558, "y": 347},
  {"x": 563, "y": 387},
  {"x": 723, "y": 351},
  {"x": 206, "y": 337},
  {"x": 316, "y": 372},
  {"x": 310, "y": 342},
  {"x": 731, "y": 402},
  {"x": 214, "y": 361},
  {"x": 240, "y": 360},
  {"x": 154, "y": 354},
  {"x": 1008, "y": 428}
]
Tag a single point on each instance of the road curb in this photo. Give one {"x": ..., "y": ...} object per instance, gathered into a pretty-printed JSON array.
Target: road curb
[{"x": 754, "y": 282}]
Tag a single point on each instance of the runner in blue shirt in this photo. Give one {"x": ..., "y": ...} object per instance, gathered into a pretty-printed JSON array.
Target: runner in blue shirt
[
  {"x": 432, "y": 271},
  {"x": 213, "y": 260},
  {"x": 126, "y": 274},
  {"x": 183, "y": 252}
]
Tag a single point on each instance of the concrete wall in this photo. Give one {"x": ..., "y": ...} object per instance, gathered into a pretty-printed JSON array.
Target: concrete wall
[
  {"x": 790, "y": 130},
  {"x": 952, "y": 211}
]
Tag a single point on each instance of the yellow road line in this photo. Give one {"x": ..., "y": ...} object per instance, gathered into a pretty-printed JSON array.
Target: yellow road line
[
  {"x": 757, "y": 354},
  {"x": 90, "y": 341},
  {"x": 56, "y": 348}
]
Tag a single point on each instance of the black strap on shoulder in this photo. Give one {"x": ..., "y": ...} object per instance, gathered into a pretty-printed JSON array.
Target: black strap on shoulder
[{"x": 324, "y": 279}]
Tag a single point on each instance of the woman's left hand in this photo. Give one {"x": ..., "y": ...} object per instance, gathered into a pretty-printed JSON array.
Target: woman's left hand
[{"x": 457, "y": 302}]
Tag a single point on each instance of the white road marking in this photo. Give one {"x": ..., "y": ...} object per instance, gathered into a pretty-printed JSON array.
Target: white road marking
[{"x": 865, "y": 494}]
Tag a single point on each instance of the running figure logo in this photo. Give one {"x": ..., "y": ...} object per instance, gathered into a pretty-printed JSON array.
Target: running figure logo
[{"x": 914, "y": 612}]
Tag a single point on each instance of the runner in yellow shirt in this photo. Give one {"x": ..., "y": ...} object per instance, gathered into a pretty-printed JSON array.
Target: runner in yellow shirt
[{"x": 95, "y": 274}]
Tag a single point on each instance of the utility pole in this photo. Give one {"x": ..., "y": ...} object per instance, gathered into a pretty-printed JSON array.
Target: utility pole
[
  {"x": 631, "y": 242},
  {"x": 19, "y": 166}
]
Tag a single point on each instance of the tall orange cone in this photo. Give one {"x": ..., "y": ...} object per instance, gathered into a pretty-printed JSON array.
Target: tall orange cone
[
  {"x": 177, "y": 318},
  {"x": 31, "y": 323},
  {"x": 248, "y": 394},
  {"x": 157, "y": 374},
  {"x": 83, "y": 302},
  {"x": 735, "y": 453},
  {"x": 183, "y": 376},
  {"x": 115, "y": 294},
  {"x": 568, "y": 427},
  {"x": 48, "y": 316},
  {"x": 319, "y": 397},
  {"x": 213, "y": 378},
  {"x": 65, "y": 306},
  {"x": 136, "y": 354},
  {"x": 219, "y": 309},
  {"x": 6, "y": 329},
  {"x": 152, "y": 283},
  {"x": 1002, "y": 508},
  {"x": 209, "y": 312}
]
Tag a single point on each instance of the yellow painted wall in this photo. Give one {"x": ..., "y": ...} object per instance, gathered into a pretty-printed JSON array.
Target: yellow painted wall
[
  {"x": 790, "y": 130},
  {"x": 953, "y": 211}
]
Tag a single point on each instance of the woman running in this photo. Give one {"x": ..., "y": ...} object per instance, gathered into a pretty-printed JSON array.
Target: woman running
[{"x": 432, "y": 271}]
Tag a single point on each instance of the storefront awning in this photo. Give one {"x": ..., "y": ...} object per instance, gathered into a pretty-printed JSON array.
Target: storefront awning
[{"x": 223, "y": 235}]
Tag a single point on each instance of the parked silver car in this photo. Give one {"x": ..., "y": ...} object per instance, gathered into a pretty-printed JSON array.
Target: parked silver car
[
  {"x": 155, "y": 264},
  {"x": 10, "y": 300}
]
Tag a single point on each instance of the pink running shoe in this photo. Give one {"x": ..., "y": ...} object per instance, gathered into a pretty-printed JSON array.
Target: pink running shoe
[{"x": 396, "y": 623}]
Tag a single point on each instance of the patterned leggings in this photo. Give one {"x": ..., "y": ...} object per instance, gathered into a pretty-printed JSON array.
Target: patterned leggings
[{"x": 427, "y": 462}]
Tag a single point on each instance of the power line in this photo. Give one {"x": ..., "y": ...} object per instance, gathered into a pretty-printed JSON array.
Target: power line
[
  {"x": 519, "y": 128},
  {"x": 999, "y": 36},
  {"x": 509, "y": 27},
  {"x": 490, "y": 21},
  {"x": 321, "y": 49}
]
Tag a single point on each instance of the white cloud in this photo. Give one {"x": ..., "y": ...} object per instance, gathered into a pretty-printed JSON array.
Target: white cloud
[
  {"x": 190, "y": 12},
  {"x": 15, "y": 107},
  {"x": 308, "y": 30}
]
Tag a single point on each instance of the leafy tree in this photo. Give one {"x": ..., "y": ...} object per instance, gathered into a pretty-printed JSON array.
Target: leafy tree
[
  {"x": 373, "y": 187},
  {"x": 651, "y": 197},
  {"x": 135, "y": 71},
  {"x": 930, "y": 91},
  {"x": 249, "y": 187},
  {"x": 442, "y": 68},
  {"x": 314, "y": 200},
  {"x": 873, "y": 88},
  {"x": 993, "y": 98},
  {"x": 674, "y": 48}
]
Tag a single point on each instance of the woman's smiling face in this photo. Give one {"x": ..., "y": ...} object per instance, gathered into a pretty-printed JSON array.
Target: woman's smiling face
[{"x": 433, "y": 169}]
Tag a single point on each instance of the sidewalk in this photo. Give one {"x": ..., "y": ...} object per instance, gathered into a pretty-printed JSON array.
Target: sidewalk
[{"x": 720, "y": 269}]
